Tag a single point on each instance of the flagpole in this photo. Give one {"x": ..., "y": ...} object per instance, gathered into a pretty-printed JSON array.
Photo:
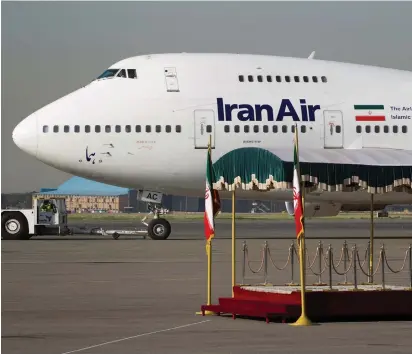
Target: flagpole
[
  {"x": 209, "y": 244},
  {"x": 209, "y": 272},
  {"x": 209, "y": 252},
  {"x": 233, "y": 240},
  {"x": 303, "y": 320}
]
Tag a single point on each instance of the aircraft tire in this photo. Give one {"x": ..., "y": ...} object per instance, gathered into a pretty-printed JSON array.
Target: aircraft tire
[
  {"x": 159, "y": 229},
  {"x": 14, "y": 226}
]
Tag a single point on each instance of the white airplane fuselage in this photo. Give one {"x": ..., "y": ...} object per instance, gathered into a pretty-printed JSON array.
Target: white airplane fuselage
[{"x": 179, "y": 100}]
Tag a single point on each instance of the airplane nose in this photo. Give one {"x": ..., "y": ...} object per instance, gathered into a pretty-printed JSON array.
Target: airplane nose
[{"x": 25, "y": 135}]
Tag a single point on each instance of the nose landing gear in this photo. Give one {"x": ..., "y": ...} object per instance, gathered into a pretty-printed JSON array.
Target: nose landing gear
[{"x": 158, "y": 228}]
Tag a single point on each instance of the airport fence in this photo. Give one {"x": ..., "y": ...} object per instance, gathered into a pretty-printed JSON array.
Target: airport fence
[{"x": 356, "y": 264}]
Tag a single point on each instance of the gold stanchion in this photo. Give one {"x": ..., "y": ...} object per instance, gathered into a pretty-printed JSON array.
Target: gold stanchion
[{"x": 370, "y": 278}]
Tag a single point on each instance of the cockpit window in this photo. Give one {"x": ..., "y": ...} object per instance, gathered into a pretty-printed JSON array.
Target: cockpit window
[
  {"x": 122, "y": 73},
  {"x": 108, "y": 73},
  {"x": 131, "y": 73}
]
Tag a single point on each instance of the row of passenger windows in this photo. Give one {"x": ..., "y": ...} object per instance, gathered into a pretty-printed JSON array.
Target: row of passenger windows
[
  {"x": 278, "y": 78},
  {"x": 236, "y": 129},
  {"x": 377, "y": 129},
  {"x": 117, "y": 128},
  {"x": 266, "y": 128}
]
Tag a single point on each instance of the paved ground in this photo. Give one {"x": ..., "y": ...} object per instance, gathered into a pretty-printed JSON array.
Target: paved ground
[
  {"x": 264, "y": 229},
  {"x": 140, "y": 296}
]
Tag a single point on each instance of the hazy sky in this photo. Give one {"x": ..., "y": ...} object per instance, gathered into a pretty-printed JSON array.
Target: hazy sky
[{"x": 52, "y": 48}]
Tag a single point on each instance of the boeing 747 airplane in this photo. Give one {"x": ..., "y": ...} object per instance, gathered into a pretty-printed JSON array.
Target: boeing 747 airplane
[{"x": 146, "y": 121}]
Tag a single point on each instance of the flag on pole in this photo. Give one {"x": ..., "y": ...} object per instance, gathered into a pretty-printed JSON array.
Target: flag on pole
[
  {"x": 297, "y": 195},
  {"x": 212, "y": 199}
]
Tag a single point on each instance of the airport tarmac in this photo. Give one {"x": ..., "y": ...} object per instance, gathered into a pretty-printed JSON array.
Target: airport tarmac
[
  {"x": 279, "y": 229},
  {"x": 140, "y": 296}
]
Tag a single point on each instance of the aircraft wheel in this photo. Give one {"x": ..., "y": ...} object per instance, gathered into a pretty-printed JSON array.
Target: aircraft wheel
[
  {"x": 115, "y": 236},
  {"x": 159, "y": 229},
  {"x": 14, "y": 226}
]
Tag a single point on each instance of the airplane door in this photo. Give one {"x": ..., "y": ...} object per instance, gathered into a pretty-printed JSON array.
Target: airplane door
[
  {"x": 204, "y": 128},
  {"x": 172, "y": 85},
  {"x": 333, "y": 137}
]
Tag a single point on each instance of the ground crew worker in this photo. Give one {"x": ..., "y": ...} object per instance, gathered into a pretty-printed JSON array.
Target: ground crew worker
[{"x": 48, "y": 207}]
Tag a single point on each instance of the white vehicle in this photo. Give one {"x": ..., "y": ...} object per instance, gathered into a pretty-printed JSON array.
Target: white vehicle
[
  {"x": 21, "y": 224},
  {"x": 145, "y": 121}
]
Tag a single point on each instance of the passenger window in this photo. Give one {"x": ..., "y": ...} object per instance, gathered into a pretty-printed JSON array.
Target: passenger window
[
  {"x": 128, "y": 128},
  {"x": 305, "y": 79},
  {"x": 77, "y": 128},
  {"x": 208, "y": 128},
  {"x": 168, "y": 128},
  {"x": 256, "y": 128},
  {"x": 265, "y": 129},
  {"x": 178, "y": 128},
  {"x": 158, "y": 128},
  {"x": 107, "y": 128},
  {"x": 250, "y": 78},
  {"x": 404, "y": 129},
  {"x": 338, "y": 129},
  {"x": 118, "y": 129},
  {"x": 278, "y": 78},
  {"x": 237, "y": 129},
  {"x": 368, "y": 129},
  {"x": 293, "y": 128},
  {"x": 45, "y": 128},
  {"x": 395, "y": 129},
  {"x": 131, "y": 73},
  {"x": 287, "y": 78},
  {"x": 315, "y": 79},
  {"x": 148, "y": 128},
  {"x": 303, "y": 129},
  {"x": 227, "y": 128},
  {"x": 138, "y": 129},
  {"x": 324, "y": 79},
  {"x": 66, "y": 128},
  {"x": 97, "y": 128},
  {"x": 246, "y": 129},
  {"x": 87, "y": 128},
  {"x": 297, "y": 79},
  {"x": 260, "y": 79},
  {"x": 275, "y": 128},
  {"x": 386, "y": 129},
  {"x": 358, "y": 129},
  {"x": 241, "y": 78},
  {"x": 284, "y": 128},
  {"x": 56, "y": 129},
  {"x": 269, "y": 78},
  {"x": 377, "y": 129}
]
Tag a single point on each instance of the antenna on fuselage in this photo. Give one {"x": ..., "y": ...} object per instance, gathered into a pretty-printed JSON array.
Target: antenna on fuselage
[{"x": 312, "y": 55}]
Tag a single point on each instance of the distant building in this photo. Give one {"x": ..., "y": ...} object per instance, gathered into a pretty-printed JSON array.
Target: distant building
[{"x": 83, "y": 195}]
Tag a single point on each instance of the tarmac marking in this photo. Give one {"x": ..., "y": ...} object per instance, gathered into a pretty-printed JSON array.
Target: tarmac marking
[{"x": 137, "y": 336}]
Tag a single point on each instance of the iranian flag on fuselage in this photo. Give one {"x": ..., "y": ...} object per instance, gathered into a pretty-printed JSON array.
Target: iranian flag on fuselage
[
  {"x": 297, "y": 196},
  {"x": 369, "y": 112},
  {"x": 212, "y": 200}
]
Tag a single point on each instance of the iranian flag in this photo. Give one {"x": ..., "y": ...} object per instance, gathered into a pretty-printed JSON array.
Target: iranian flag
[
  {"x": 369, "y": 112},
  {"x": 297, "y": 196},
  {"x": 212, "y": 200}
]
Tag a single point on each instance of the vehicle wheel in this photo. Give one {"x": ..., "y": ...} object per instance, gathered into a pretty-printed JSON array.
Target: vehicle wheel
[
  {"x": 14, "y": 227},
  {"x": 159, "y": 229}
]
